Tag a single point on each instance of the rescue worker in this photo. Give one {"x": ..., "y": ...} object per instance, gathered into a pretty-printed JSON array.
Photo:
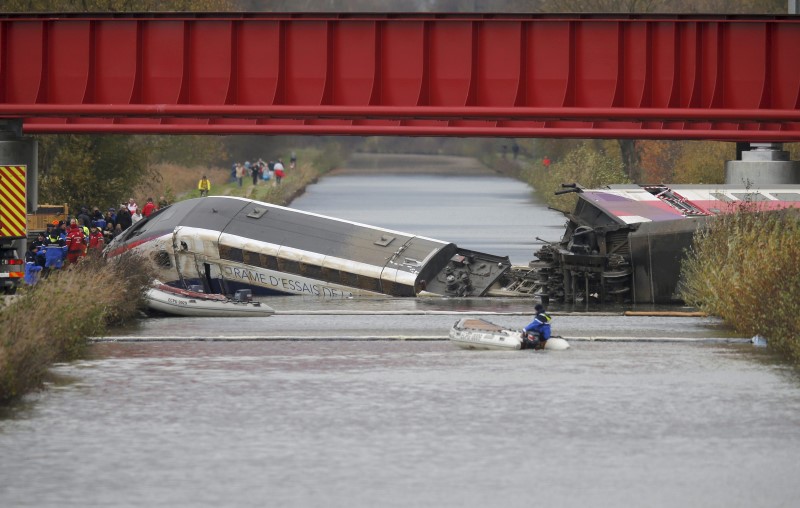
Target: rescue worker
[
  {"x": 61, "y": 229},
  {"x": 535, "y": 335},
  {"x": 83, "y": 227},
  {"x": 96, "y": 242},
  {"x": 54, "y": 251},
  {"x": 204, "y": 186},
  {"x": 76, "y": 242},
  {"x": 37, "y": 247}
]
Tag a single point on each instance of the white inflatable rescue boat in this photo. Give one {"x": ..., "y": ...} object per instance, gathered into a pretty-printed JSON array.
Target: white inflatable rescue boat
[
  {"x": 471, "y": 333},
  {"x": 182, "y": 302}
]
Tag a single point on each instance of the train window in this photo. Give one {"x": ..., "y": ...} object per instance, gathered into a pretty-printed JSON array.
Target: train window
[
  {"x": 162, "y": 259},
  {"x": 230, "y": 253},
  {"x": 787, "y": 196},
  {"x": 750, "y": 196},
  {"x": 721, "y": 197},
  {"x": 395, "y": 289},
  {"x": 348, "y": 279},
  {"x": 251, "y": 258},
  {"x": 369, "y": 283},
  {"x": 310, "y": 270},
  {"x": 330, "y": 274},
  {"x": 289, "y": 266},
  {"x": 403, "y": 290},
  {"x": 268, "y": 261}
]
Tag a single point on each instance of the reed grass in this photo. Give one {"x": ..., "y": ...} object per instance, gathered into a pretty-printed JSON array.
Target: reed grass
[
  {"x": 744, "y": 268},
  {"x": 175, "y": 182},
  {"x": 52, "y": 321}
]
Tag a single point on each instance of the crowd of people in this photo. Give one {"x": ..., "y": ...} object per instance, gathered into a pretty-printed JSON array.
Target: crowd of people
[
  {"x": 85, "y": 233},
  {"x": 259, "y": 170}
]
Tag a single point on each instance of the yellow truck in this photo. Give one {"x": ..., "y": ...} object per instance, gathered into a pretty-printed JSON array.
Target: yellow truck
[
  {"x": 45, "y": 214},
  {"x": 13, "y": 226}
]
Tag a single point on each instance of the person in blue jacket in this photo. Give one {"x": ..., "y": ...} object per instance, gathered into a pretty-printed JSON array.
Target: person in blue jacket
[
  {"x": 55, "y": 252},
  {"x": 535, "y": 335}
]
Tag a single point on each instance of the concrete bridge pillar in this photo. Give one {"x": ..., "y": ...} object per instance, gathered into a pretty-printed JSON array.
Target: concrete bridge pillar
[{"x": 762, "y": 164}]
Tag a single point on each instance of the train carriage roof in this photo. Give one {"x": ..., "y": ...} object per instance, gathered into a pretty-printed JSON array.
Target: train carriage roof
[{"x": 288, "y": 227}]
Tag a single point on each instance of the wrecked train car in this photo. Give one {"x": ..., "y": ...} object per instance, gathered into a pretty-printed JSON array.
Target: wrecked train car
[
  {"x": 625, "y": 243},
  {"x": 222, "y": 244}
]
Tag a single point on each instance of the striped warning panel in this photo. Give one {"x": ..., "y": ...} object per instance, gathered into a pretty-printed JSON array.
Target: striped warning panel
[{"x": 12, "y": 201}]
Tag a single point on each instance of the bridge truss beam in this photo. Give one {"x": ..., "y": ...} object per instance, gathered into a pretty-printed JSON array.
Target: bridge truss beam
[{"x": 597, "y": 76}]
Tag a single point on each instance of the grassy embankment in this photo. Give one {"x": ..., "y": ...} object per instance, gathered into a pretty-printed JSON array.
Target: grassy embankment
[
  {"x": 744, "y": 269},
  {"x": 181, "y": 183},
  {"x": 50, "y": 322}
]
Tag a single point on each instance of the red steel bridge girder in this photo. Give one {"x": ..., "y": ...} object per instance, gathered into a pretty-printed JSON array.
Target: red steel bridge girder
[{"x": 727, "y": 78}]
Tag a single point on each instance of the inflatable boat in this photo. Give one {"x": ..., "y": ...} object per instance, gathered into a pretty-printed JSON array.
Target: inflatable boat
[
  {"x": 183, "y": 302},
  {"x": 471, "y": 333}
]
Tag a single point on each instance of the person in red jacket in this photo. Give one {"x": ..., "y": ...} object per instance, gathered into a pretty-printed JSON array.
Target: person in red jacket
[
  {"x": 76, "y": 242},
  {"x": 149, "y": 207},
  {"x": 96, "y": 242}
]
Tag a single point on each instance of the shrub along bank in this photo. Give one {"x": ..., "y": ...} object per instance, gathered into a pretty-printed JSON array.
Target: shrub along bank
[
  {"x": 51, "y": 321},
  {"x": 744, "y": 268}
]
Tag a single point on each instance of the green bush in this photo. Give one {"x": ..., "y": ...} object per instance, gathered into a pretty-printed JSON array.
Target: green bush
[
  {"x": 743, "y": 268},
  {"x": 52, "y": 320},
  {"x": 585, "y": 165}
]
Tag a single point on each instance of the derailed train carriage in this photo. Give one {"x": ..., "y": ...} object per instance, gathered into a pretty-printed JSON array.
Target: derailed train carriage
[
  {"x": 625, "y": 243},
  {"x": 223, "y": 244}
]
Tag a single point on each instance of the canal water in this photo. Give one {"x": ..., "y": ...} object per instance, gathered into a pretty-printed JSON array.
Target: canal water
[{"x": 363, "y": 402}]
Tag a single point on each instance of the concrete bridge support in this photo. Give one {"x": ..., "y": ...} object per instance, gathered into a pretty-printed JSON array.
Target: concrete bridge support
[{"x": 762, "y": 164}]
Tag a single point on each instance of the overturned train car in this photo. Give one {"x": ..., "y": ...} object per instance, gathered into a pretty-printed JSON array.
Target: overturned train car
[
  {"x": 222, "y": 244},
  {"x": 625, "y": 243}
]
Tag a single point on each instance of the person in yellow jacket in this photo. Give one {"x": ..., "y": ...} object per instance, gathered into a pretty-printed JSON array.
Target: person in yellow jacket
[{"x": 204, "y": 186}]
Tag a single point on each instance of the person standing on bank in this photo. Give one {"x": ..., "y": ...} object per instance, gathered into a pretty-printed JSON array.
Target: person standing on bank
[
  {"x": 75, "y": 242},
  {"x": 279, "y": 172},
  {"x": 149, "y": 208},
  {"x": 204, "y": 186},
  {"x": 240, "y": 174},
  {"x": 536, "y": 334},
  {"x": 254, "y": 169},
  {"x": 132, "y": 206}
]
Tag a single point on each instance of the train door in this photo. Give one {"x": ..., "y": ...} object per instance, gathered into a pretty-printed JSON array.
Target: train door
[
  {"x": 194, "y": 264},
  {"x": 213, "y": 280}
]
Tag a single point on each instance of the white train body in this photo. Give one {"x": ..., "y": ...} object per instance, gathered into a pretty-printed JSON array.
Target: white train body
[{"x": 222, "y": 244}]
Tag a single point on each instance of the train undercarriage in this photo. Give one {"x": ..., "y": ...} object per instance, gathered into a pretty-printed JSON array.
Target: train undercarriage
[{"x": 625, "y": 243}]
